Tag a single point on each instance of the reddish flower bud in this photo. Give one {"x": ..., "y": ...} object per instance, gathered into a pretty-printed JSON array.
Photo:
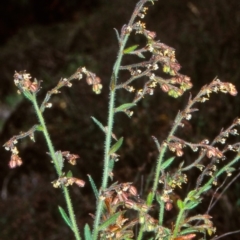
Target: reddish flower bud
[
  {"x": 89, "y": 80},
  {"x": 150, "y": 35},
  {"x": 115, "y": 201},
  {"x": 15, "y": 161},
  {"x": 179, "y": 152},
  {"x": 168, "y": 206},
  {"x": 34, "y": 87},
  {"x": 79, "y": 182},
  {"x": 165, "y": 87},
  {"x": 132, "y": 190},
  {"x": 129, "y": 204}
]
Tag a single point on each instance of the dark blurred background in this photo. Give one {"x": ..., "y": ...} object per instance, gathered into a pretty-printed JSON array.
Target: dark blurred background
[{"x": 51, "y": 39}]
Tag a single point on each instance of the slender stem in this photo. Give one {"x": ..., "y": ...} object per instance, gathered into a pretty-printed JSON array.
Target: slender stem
[
  {"x": 161, "y": 212},
  {"x": 162, "y": 151},
  {"x": 140, "y": 233},
  {"x": 46, "y": 135},
  {"x": 113, "y": 84},
  {"x": 57, "y": 167},
  {"x": 158, "y": 170},
  {"x": 222, "y": 170},
  {"x": 71, "y": 213},
  {"x": 109, "y": 135},
  {"x": 178, "y": 221}
]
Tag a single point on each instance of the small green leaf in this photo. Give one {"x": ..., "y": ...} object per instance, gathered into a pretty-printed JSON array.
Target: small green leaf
[
  {"x": 124, "y": 107},
  {"x": 39, "y": 128},
  {"x": 65, "y": 217},
  {"x": 98, "y": 123},
  {"x": 59, "y": 159},
  {"x": 93, "y": 185},
  {"x": 87, "y": 232},
  {"x": 167, "y": 163},
  {"x": 180, "y": 204},
  {"x": 130, "y": 49},
  {"x": 150, "y": 198},
  {"x": 69, "y": 174},
  {"x": 116, "y": 146},
  {"x": 109, "y": 221}
]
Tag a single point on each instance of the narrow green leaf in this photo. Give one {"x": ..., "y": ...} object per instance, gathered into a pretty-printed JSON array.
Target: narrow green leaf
[
  {"x": 124, "y": 107},
  {"x": 59, "y": 159},
  {"x": 109, "y": 221},
  {"x": 192, "y": 194},
  {"x": 167, "y": 162},
  {"x": 150, "y": 198},
  {"x": 191, "y": 205},
  {"x": 189, "y": 230},
  {"x": 98, "y": 123},
  {"x": 87, "y": 232},
  {"x": 230, "y": 169},
  {"x": 205, "y": 188},
  {"x": 116, "y": 146},
  {"x": 65, "y": 216},
  {"x": 39, "y": 128},
  {"x": 180, "y": 204},
  {"x": 130, "y": 49},
  {"x": 69, "y": 174},
  {"x": 93, "y": 185}
]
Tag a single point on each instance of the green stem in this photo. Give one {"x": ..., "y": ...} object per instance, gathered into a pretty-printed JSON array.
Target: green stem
[
  {"x": 162, "y": 152},
  {"x": 109, "y": 134},
  {"x": 57, "y": 167},
  {"x": 178, "y": 221},
  {"x": 161, "y": 212},
  {"x": 113, "y": 84},
  {"x": 140, "y": 233},
  {"x": 222, "y": 170},
  {"x": 158, "y": 170}
]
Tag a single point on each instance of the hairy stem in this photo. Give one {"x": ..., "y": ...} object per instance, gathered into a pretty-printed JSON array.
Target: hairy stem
[
  {"x": 109, "y": 134},
  {"x": 113, "y": 87},
  {"x": 56, "y": 165}
]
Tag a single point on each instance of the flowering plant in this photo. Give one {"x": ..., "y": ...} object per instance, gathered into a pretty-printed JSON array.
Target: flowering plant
[{"x": 120, "y": 212}]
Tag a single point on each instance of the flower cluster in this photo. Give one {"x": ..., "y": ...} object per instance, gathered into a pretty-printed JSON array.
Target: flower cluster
[
  {"x": 15, "y": 160},
  {"x": 71, "y": 158},
  {"x": 116, "y": 198},
  {"x": 161, "y": 54},
  {"x": 93, "y": 80},
  {"x": 23, "y": 81},
  {"x": 67, "y": 181}
]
